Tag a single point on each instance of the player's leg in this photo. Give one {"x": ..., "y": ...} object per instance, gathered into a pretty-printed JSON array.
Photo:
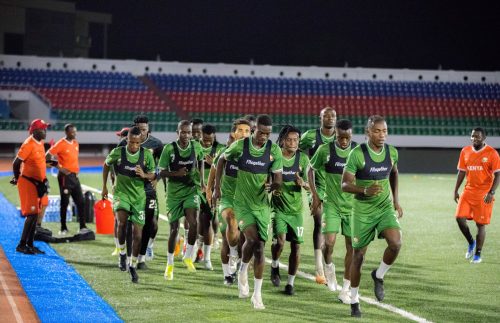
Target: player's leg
[
  {"x": 482, "y": 215},
  {"x": 293, "y": 265},
  {"x": 128, "y": 237},
  {"x": 174, "y": 231},
  {"x": 247, "y": 251},
  {"x": 232, "y": 232},
  {"x": 115, "y": 233},
  {"x": 393, "y": 238},
  {"x": 344, "y": 295},
  {"x": 65, "y": 194},
  {"x": 206, "y": 226},
  {"x": 215, "y": 230},
  {"x": 358, "y": 257},
  {"x": 276, "y": 249},
  {"x": 122, "y": 219},
  {"x": 463, "y": 213},
  {"x": 191, "y": 215},
  {"x": 224, "y": 257},
  {"x": 154, "y": 230},
  {"x": 280, "y": 227},
  {"x": 318, "y": 245},
  {"x": 136, "y": 246},
  {"x": 77, "y": 195},
  {"x": 253, "y": 239},
  {"x": 330, "y": 275},
  {"x": 332, "y": 221},
  {"x": 146, "y": 230},
  {"x": 481, "y": 235},
  {"x": 186, "y": 234}
]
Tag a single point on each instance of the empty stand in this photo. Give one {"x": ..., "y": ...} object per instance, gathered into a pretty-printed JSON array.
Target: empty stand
[{"x": 109, "y": 100}]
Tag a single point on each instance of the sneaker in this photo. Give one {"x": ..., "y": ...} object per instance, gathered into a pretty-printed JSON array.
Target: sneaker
[
  {"x": 378, "y": 287},
  {"x": 142, "y": 266},
  {"x": 37, "y": 251},
  {"x": 470, "y": 250},
  {"x": 199, "y": 256},
  {"x": 257, "y": 302},
  {"x": 320, "y": 279},
  {"x": 243, "y": 288},
  {"x": 25, "y": 249},
  {"x": 228, "y": 280},
  {"x": 84, "y": 230},
  {"x": 63, "y": 232},
  {"x": 123, "y": 262},
  {"x": 189, "y": 264},
  {"x": 133, "y": 275},
  {"x": 345, "y": 297},
  {"x": 289, "y": 290},
  {"x": 275, "y": 276},
  {"x": 331, "y": 280},
  {"x": 116, "y": 252},
  {"x": 169, "y": 272},
  {"x": 208, "y": 265},
  {"x": 149, "y": 254},
  {"x": 476, "y": 260},
  {"x": 355, "y": 310}
]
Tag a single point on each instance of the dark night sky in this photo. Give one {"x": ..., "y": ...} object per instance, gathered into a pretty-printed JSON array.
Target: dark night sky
[{"x": 392, "y": 34}]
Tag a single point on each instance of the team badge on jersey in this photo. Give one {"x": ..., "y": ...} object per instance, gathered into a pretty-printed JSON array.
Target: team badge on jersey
[{"x": 485, "y": 159}]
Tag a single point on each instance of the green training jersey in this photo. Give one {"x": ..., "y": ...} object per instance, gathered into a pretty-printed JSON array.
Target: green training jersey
[
  {"x": 254, "y": 166},
  {"x": 309, "y": 143},
  {"x": 381, "y": 203},
  {"x": 289, "y": 199},
  {"x": 178, "y": 189},
  {"x": 129, "y": 185},
  {"x": 339, "y": 200}
]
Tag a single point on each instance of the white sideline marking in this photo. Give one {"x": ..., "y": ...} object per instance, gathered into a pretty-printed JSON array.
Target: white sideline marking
[
  {"x": 10, "y": 299},
  {"x": 368, "y": 300}
]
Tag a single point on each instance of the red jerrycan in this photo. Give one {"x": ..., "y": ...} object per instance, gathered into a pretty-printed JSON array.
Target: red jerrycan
[{"x": 104, "y": 217}]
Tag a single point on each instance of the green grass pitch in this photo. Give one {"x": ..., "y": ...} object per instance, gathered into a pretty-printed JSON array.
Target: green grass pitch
[{"x": 430, "y": 278}]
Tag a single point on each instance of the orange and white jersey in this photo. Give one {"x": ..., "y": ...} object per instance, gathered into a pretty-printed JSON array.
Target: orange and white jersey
[{"x": 480, "y": 167}]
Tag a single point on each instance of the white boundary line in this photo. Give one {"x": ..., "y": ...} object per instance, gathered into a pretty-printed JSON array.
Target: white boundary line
[
  {"x": 12, "y": 303},
  {"x": 368, "y": 300}
]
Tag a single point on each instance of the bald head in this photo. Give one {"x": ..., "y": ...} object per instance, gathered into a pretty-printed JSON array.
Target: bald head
[{"x": 328, "y": 117}]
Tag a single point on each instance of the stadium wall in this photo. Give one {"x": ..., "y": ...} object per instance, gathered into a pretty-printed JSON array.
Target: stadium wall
[{"x": 415, "y": 151}]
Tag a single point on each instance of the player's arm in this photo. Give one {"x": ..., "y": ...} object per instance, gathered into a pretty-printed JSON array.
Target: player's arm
[
  {"x": 210, "y": 185},
  {"x": 277, "y": 181},
  {"x": 317, "y": 161},
  {"x": 489, "y": 197},
  {"x": 16, "y": 169},
  {"x": 201, "y": 171},
  {"x": 221, "y": 163},
  {"x": 460, "y": 178},
  {"x": 316, "y": 201},
  {"x": 276, "y": 168},
  {"x": 394, "y": 181},
  {"x": 149, "y": 175},
  {"x": 349, "y": 178},
  {"x": 302, "y": 181},
  {"x": 105, "y": 173}
]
